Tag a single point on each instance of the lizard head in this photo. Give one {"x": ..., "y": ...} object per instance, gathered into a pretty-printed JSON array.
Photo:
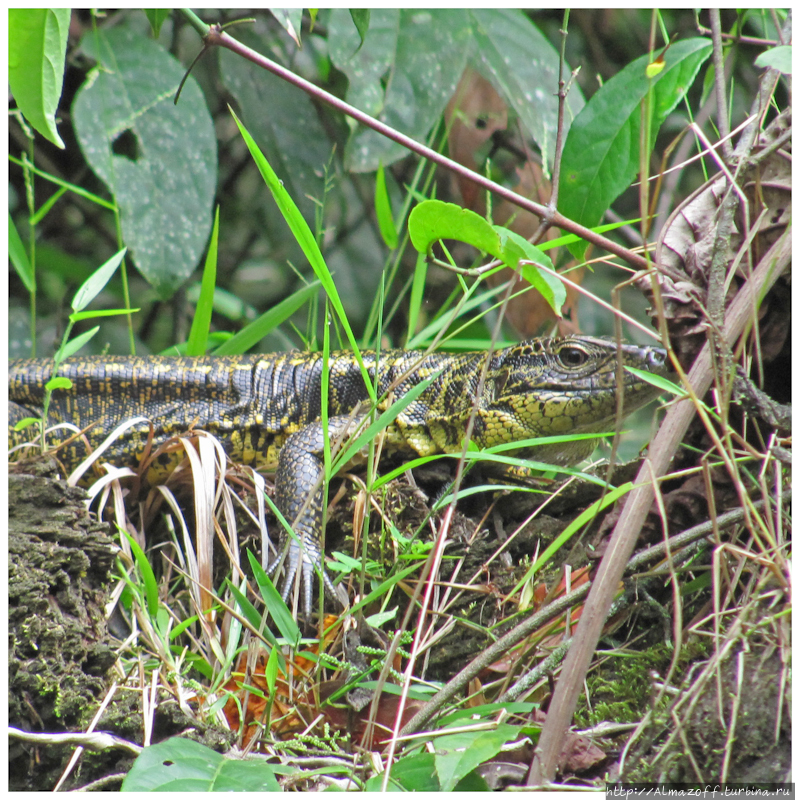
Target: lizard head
[{"x": 554, "y": 387}]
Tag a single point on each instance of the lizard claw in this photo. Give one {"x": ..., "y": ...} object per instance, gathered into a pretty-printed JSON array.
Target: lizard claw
[{"x": 296, "y": 560}]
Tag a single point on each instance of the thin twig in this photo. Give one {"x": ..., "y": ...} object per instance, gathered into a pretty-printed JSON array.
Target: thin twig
[
  {"x": 562, "y": 102},
  {"x": 719, "y": 82},
  {"x": 684, "y": 541},
  {"x": 97, "y": 741},
  {"x": 732, "y": 37}
]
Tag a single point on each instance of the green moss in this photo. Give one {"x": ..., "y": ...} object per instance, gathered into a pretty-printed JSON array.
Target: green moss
[{"x": 621, "y": 689}]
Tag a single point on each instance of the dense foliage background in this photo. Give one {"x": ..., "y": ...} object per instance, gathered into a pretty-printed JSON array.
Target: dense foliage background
[{"x": 168, "y": 171}]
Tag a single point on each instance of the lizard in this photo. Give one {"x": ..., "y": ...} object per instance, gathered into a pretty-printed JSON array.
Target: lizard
[{"x": 265, "y": 409}]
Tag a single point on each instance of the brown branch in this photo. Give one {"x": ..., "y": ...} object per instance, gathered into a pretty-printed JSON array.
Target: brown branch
[
  {"x": 216, "y": 36},
  {"x": 637, "y": 505}
]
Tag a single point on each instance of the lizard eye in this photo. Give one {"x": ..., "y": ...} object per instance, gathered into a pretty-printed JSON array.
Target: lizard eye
[{"x": 572, "y": 356}]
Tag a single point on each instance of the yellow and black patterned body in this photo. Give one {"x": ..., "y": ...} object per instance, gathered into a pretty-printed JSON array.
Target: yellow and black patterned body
[{"x": 265, "y": 409}]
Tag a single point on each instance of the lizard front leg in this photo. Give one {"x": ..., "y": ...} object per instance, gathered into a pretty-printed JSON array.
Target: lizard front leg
[{"x": 299, "y": 484}]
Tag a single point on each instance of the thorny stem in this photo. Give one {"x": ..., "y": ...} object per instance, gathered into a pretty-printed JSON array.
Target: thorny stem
[
  {"x": 552, "y": 205},
  {"x": 216, "y": 36},
  {"x": 719, "y": 82}
]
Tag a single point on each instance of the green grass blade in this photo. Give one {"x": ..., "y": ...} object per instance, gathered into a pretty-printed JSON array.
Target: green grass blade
[
  {"x": 589, "y": 514},
  {"x": 93, "y": 198},
  {"x": 146, "y": 571},
  {"x": 383, "y": 210},
  {"x": 659, "y": 381},
  {"x": 305, "y": 238},
  {"x": 103, "y": 312},
  {"x": 201, "y": 324},
  {"x": 382, "y": 422},
  {"x": 384, "y": 587},
  {"x": 44, "y": 209},
  {"x": 19, "y": 257},
  {"x": 268, "y": 321},
  {"x": 417, "y": 294},
  {"x": 278, "y": 610}
]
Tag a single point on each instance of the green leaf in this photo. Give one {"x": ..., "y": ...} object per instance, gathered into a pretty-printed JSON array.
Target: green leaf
[
  {"x": 183, "y": 765},
  {"x": 424, "y": 50},
  {"x": 73, "y": 345},
  {"x": 201, "y": 324},
  {"x": 37, "y": 48},
  {"x": 157, "y": 17},
  {"x": 159, "y": 160},
  {"x": 601, "y": 153},
  {"x": 96, "y": 282},
  {"x": 520, "y": 62},
  {"x": 146, "y": 571},
  {"x": 274, "y": 665},
  {"x": 416, "y": 773},
  {"x": 360, "y": 17},
  {"x": 383, "y": 210},
  {"x": 458, "y": 754},
  {"x": 517, "y": 248},
  {"x": 272, "y": 599},
  {"x": 251, "y": 614},
  {"x": 291, "y": 20},
  {"x": 26, "y": 422},
  {"x": 19, "y": 257},
  {"x": 58, "y": 383},
  {"x": 779, "y": 58},
  {"x": 364, "y": 66},
  {"x": 432, "y": 220},
  {"x": 409, "y": 66}
]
